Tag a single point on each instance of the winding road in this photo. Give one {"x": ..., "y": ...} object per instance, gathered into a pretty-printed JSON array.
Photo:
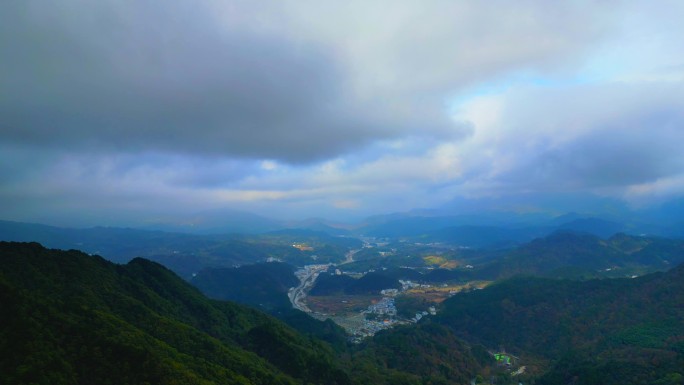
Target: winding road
[{"x": 307, "y": 277}]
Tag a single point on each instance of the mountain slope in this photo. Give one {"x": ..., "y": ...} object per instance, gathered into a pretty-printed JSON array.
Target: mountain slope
[
  {"x": 370, "y": 283},
  {"x": 76, "y": 319},
  {"x": 262, "y": 285},
  {"x": 185, "y": 254},
  {"x": 427, "y": 351},
  {"x": 583, "y": 328},
  {"x": 570, "y": 254}
]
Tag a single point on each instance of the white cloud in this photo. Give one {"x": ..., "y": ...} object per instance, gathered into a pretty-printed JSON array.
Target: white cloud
[
  {"x": 658, "y": 190},
  {"x": 577, "y": 138}
]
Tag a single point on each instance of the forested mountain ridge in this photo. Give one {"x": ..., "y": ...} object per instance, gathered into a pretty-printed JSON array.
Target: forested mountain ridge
[
  {"x": 608, "y": 331},
  {"x": 370, "y": 283},
  {"x": 72, "y": 318},
  {"x": 184, "y": 253},
  {"x": 262, "y": 285},
  {"x": 567, "y": 254}
]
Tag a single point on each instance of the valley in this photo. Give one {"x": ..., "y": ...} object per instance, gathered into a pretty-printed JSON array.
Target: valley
[
  {"x": 457, "y": 308},
  {"x": 307, "y": 278},
  {"x": 363, "y": 315}
]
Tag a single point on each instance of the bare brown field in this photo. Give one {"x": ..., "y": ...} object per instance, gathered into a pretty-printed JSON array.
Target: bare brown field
[
  {"x": 340, "y": 304},
  {"x": 437, "y": 294},
  {"x": 350, "y": 322}
]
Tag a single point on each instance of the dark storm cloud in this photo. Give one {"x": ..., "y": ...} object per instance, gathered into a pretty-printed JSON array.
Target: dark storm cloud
[{"x": 170, "y": 77}]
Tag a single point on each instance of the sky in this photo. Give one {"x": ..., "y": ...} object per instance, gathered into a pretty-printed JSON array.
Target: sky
[{"x": 136, "y": 111}]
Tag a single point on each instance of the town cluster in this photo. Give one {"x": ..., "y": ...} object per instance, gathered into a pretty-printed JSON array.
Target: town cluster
[{"x": 383, "y": 315}]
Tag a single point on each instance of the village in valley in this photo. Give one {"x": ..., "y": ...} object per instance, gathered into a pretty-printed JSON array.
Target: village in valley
[{"x": 364, "y": 315}]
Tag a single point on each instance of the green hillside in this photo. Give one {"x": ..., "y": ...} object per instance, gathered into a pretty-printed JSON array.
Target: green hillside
[
  {"x": 370, "y": 283},
  {"x": 186, "y": 254},
  {"x": 71, "y": 318},
  {"x": 610, "y": 331},
  {"x": 427, "y": 353},
  {"x": 261, "y": 285},
  {"x": 578, "y": 255}
]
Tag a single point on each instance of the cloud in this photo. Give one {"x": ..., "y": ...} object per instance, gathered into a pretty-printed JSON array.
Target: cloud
[
  {"x": 133, "y": 77},
  {"x": 167, "y": 80},
  {"x": 601, "y": 138},
  {"x": 660, "y": 189},
  {"x": 294, "y": 82},
  {"x": 438, "y": 46},
  {"x": 311, "y": 107}
]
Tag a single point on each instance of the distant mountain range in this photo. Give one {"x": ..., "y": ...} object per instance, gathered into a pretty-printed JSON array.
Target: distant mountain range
[
  {"x": 562, "y": 249},
  {"x": 460, "y": 225},
  {"x": 566, "y": 254},
  {"x": 521, "y": 212},
  {"x": 469, "y": 232},
  {"x": 186, "y": 254}
]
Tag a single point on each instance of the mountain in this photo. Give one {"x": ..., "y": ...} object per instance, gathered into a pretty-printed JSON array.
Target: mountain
[
  {"x": 610, "y": 331},
  {"x": 320, "y": 224},
  {"x": 331, "y": 284},
  {"x": 486, "y": 232},
  {"x": 403, "y": 273},
  {"x": 475, "y": 224},
  {"x": 223, "y": 221},
  {"x": 595, "y": 226},
  {"x": 405, "y": 226},
  {"x": 116, "y": 244},
  {"x": 495, "y": 237},
  {"x": 569, "y": 254},
  {"x": 71, "y": 318},
  {"x": 186, "y": 254},
  {"x": 262, "y": 285},
  {"x": 370, "y": 283},
  {"x": 430, "y": 352},
  {"x": 265, "y": 286}
]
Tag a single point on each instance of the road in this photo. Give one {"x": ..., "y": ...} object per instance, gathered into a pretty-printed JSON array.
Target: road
[
  {"x": 349, "y": 257},
  {"x": 307, "y": 277}
]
